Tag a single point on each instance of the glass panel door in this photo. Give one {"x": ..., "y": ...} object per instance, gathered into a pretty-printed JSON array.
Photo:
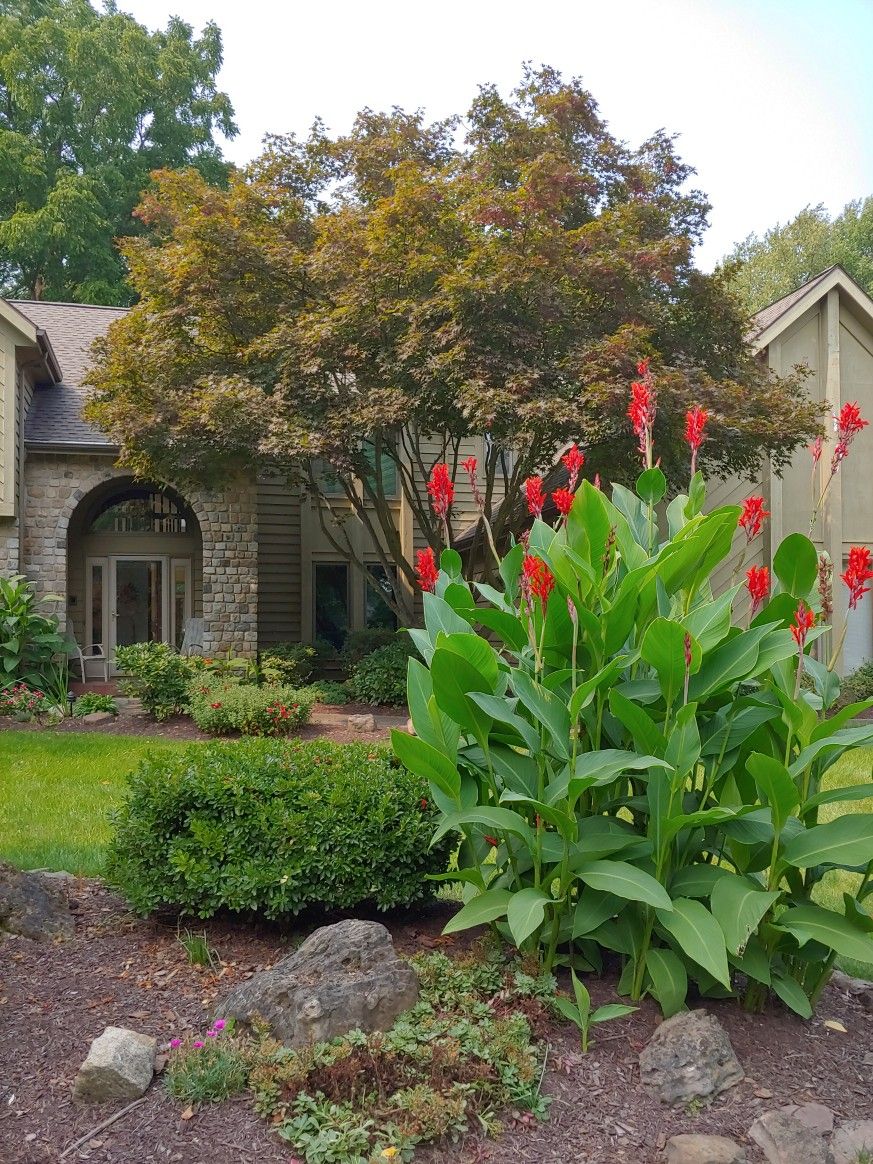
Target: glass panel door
[
  {"x": 182, "y": 604},
  {"x": 139, "y": 601},
  {"x": 96, "y": 602}
]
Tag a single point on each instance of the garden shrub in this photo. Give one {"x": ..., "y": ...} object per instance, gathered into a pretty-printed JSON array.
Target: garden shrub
[
  {"x": 94, "y": 701},
  {"x": 158, "y": 676},
  {"x": 857, "y": 686},
  {"x": 328, "y": 691},
  {"x": 29, "y": 639},
  {"x": 638, "y": 768},
  {"x": 380, "y": 677},
  {"x": 360, "y": 643},
  {"x": 274, "y": 826},
  {"x": 221, "y": 706},
  {"x": 288, "y": 664}
]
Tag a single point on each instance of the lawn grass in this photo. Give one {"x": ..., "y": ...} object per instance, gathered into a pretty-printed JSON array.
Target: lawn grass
[{"x": 56, "y": 791}]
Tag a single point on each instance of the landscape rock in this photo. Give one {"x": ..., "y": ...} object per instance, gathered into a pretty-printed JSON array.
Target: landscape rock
[
  {"x": 689, "y": 1057},
  {"x": 785, "y": 1140},
  {"x": 814, "y": 1116},
  {"x": 848, "y": 984},
  {"x": 704, "y": 1150},
  {"x": 98, "y": 717},
  {"x": 33, "y": 905},
  {"x": 119, "y": 1065},
  {"x": 851, "y": 1139},
  {"x": 410, "y": 727},
  {"x": 362, "y": 723},
  {"x": 343, "y": 977}
]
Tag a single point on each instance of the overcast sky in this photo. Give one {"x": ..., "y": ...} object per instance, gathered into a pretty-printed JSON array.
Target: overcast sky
[{"x": 772, "y": 99}]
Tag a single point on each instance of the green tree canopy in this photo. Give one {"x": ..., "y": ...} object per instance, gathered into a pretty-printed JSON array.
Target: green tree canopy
[
  {"x": 764, "y": 268},
  {"x": 398, "y": 283},
  {"x": 90, "y": 103}
]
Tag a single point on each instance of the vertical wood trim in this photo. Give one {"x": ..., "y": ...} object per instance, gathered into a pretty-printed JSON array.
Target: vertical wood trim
[
  {"x": 772, "y": 483},
  {"x": 832, "y": 517}
]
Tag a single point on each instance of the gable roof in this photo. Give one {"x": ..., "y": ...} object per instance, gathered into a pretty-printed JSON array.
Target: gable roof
[
  {"x": 55, "y": 415},
  {"x": 772, "y": 320}
]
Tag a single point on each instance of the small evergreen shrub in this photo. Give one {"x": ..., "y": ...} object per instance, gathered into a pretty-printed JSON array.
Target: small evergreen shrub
[
  {"x": 380, "y": 677},
  {"x": 287, "y": 663},
  {"x": 274, "y": 826},
  {"x": 328, "y": 691},
  {"x": 360, "y": 643},
  {"x": 158, "y": 676},
  {"x": 220, "y": 707},
  {"x": 94, "y": 701},
  {"x": 858, "y": 685}
]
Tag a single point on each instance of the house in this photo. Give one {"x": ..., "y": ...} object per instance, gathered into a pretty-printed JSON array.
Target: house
[
  {"x": 134, "y": 560},
  {"x": 826, "y": 325}
]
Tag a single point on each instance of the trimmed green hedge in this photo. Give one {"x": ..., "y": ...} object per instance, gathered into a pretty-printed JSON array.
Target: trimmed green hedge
[{"x": 274, "y": 826}]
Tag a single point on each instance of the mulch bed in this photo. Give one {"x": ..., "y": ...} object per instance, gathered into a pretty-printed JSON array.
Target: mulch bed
[{"x": 124, "y": 971}]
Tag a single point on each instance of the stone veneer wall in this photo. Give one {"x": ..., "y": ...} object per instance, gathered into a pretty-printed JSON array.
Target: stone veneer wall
[
  {"x": 10, "y": 546},
  {"x": 54, "y": 485}
]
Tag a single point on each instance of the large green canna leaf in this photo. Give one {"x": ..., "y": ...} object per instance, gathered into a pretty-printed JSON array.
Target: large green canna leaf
[
  {"x": 501, "y": 709},
  {"x": 795, "y": 564},
  {"x": 738, "y": 904},
  {"x": 775, "y": 787},
  {"x": 663, "y": 648},
  {"x": 593, "y": 909},
  {"x": 497, "y": 819},
  {"x": 624, "y": 880},
  {"x": 486, "y": 907},
  {"x": 669, "y": 981},
  {"x": 604, "y": 678},
  {"x": 525, "y": 913},
  {"x": 683, "y": 742},
  {"x": 710, "y": 622},
  {"x": 696, "y": 880},
  {"x": 651, "y": 485},
  {"x": 426, "y": 761},
  {"x": 792, "y": 994},
  {"x": 546, "y": 708},
  {"x": 439, "y": 616},
  {"x": 646, "y": 734},
  {"x": 811, "y": 923},
  {"x": 452, "y": 678},
  {"x": 698, "y": 935},
  {"x": 508, "y": 626},
  {"x": 838, "y": 796},
  {"x": 429, "y": 722},
  {"x": 848, "y": 840}
]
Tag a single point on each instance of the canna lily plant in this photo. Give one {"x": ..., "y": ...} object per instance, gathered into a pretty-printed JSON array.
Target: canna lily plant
[{"x": 633, "y": 762}]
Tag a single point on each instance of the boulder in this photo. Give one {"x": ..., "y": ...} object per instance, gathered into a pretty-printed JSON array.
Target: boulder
[
  {"x": 850, "y": 1140},
  {"x": 814, "y": 1116},
  {"x": 98, "y": 717},
  {"x": 119, "y": 1065},
  {"x": 704, "y": 1150},
  {"x": 33, "y": 905},
  {"x": 785, "y": 1140},
  {"x": 343, "y": 977},
  {"x": 362, "y": 723},
  {"x": 689, "y": 1057}
]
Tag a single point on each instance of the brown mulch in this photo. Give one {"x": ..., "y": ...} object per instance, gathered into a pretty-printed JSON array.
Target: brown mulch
[{"x": 124, "y": 971}]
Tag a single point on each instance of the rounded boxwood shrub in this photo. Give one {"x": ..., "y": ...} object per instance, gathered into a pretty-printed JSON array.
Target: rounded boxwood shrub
[
  {"x": 274, "y": 826},
  {"x": 380, "y": 677}
]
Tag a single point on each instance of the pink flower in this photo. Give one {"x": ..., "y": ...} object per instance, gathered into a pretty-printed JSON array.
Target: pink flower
[
  {"x": 210, "y": 1035},
  {"x": 198, "y": 1043},
  {"x": 219, "y": 1025},
  {"x": 815, "y": 448},
  {"x": 175, "y": 1044}
]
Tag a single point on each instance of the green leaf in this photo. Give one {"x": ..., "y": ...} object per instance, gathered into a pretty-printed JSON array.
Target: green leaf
[
  {"x": 812, "y": 923},
  {"x": 663, "y": 648},
  {"x": 450, "y": 563},
  {"x": 699, "y": 935},
  {"x": 683, "y": 742},
  {"x": 439, "y": 616},
  {"x": 775, "y": 787},
  {"x": 545, "y": 707},
  {"x": 795, "y": 564},
  {"x": 792, "y": 994},
  {"x": 838, "y": 796},
  {"x": 624, "y": 880},
  {"x": 647, "y": 737},
  {"x": 696, "y": 880},
  {"x": 487, "y": 907},
  {"x": 848, "y": 840},
  {"x": 592, "y": 909},
  {"x": 508, "y": 626},
  {"x": 525, "y": 913},
  {"x": 583, "y": 998},
  {"x": 738, "y": 904},
  {"x": 651, "y": 485},
  {"x": 424, "y": 760},
  {"x": 604, "y": 678},
  {"x": 497, "y": 819},
  {"x": 611, "y": 1010},
  {"x": 669, "y": 981}
]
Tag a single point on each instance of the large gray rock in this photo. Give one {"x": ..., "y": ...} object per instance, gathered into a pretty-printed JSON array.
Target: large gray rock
[
  {"x": 119, "y": 1065},
  {"x": 785, "y": 1140},
  {"x": 364, "y": 722},
  {"x": 33, "y": 905},
  {"x": 850, "y": 1140},
  {"x": 704, "y": 1150},
  {"x": 343, "y": 977},
  {"x": 689, "y": 1057}
]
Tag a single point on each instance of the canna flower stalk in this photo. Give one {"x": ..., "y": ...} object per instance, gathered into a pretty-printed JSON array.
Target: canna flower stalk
[
  {"x": 534, "y": 495},
  {"x": 847, "y": 424},
  {"x": 470, "y": 467},
  {"x": 573, "y": 460},
  {"x": 642, "y": 410},
  {"x": 426, "y": 570},
  {"x": 858, "y": 573},
  {"x": 758, "y": 586},
  {"x": 442, "y": 494},
  {"x": 695, "y": 423}
]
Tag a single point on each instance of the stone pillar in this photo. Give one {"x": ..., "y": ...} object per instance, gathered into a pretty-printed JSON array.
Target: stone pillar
[{"x": 228, "y": 527}]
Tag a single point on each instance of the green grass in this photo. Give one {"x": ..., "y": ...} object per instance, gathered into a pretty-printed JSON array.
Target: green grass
[{"x": 56, "y": 791}]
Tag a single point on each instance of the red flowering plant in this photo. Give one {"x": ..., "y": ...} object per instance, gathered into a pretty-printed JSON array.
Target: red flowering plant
[
  {"x": 627, "y": 755},
  {"x": 847, "y": 424}
]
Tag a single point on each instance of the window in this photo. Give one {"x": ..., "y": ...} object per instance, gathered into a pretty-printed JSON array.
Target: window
[
  {"x": 140, "y": 511},
  {"x": 377, "y": 612},
  {"x": 388, "y": 468},
  {"x": 330, "y": 588},
  {"x": 326, "y": 479}
]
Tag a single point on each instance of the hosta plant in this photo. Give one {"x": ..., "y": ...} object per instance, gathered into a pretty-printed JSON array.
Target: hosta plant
[{"x": 632, "y": 760}]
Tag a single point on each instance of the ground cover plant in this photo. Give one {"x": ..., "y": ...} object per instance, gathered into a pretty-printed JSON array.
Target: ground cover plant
[
  {"x": 92, "y": 701},
  {"x": 58, "y": 790},
  {"x": 451, "y": 1064},
  {"x": 220, "y": 707},
  {"x": 641, "y": 768},
  {"x": 274, "y": 826}
]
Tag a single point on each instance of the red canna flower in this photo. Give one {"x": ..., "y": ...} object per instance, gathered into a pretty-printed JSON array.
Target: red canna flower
[
  {"x": 423, "y": 804},
  {"x": 469, "y": 466},
  {"x": 695, "y": 423},
  {"x": 688, "y": 655},
  {"x": 752, "y": 517},
  {"x": 441, "y": 490},
  {"x": 537, "y": 578},
  {"x": 563, "y": 500},
  {"x": 642, "y": 409},
  {"x": 426, "y": 569},
  {"x": 815, "y": 448},
  {"x": 848, "y": 424},
  {"x": 493, "y": 841},
  {"x": 573, "y": 460},
  {"x": 804, "y": 621},
  {"x": 758, "y": 585},
  {"x": 536, "y": 498},
  {"x": 857, "y": 573}
]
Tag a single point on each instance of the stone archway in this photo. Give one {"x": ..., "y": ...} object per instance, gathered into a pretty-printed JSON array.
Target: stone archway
[{"x": 58, "y": 487}]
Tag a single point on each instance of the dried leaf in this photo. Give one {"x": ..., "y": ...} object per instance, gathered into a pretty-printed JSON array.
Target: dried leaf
[
  {"x": 833, "y": 1025},
  {"x": 188, "y": 1113}
]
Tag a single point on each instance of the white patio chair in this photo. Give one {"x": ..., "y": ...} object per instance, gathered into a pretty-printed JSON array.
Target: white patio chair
[
  {"x": 93, "y": 653},
  {"x": 192, "y": 637}
]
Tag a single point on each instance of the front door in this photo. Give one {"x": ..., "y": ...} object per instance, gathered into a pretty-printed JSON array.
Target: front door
[{"x": 137, "y": 599}]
